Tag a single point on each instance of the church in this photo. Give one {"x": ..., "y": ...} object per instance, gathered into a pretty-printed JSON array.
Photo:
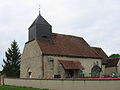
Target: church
[{"x": 48, "y": 55}]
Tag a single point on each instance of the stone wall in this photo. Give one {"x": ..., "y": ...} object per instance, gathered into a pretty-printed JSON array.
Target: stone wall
[
  {"x": 87, "y": 63},
  {"x": 31, "y": 60},
  {"x": 110, "y": 70},
  {"x": 67, "y": 84}
]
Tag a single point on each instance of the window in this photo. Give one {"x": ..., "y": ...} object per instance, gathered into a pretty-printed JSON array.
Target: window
[
  {"x": 29, "y": 73},
  {"x": 44, "y": 36},
  {"x": 51, "y": 63},
  {"x": 50, "y": 59}
]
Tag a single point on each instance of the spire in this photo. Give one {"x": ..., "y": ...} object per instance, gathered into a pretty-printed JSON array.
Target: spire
[
  {"x": 40, "y": 28},
  {"x": 39, "y": 9},
  {"x": 40, "y": 20}
]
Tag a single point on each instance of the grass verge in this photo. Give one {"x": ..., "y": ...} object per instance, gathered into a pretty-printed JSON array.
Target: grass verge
[{"x": 7, "y": 87}]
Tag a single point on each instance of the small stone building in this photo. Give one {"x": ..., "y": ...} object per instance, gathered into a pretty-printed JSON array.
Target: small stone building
[
  {"x": 51, "y": 55},
  {"x": 112, "y": 67}
]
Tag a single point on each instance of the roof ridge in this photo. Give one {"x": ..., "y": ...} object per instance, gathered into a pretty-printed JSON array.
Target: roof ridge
[
  {"x": 68, "y": 35},
  {"x": 96, "y": 47}
]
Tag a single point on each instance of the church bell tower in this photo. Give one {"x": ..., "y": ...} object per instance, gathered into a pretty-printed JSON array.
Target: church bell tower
[{"x": 40, "y": 28}]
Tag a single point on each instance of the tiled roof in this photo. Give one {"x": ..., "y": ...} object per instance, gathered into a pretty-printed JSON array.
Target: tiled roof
[
  {"x": 112, "y": 62},
  {"x": 67, "y": 45},
  {"x": 101, "y": 54},
  {"x": 71, "y": 64}
]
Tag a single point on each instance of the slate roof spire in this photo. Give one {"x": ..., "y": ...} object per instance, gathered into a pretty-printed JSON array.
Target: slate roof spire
[
  {"x": 40, "y": 20},
  {"x": 40, "y": 28}
]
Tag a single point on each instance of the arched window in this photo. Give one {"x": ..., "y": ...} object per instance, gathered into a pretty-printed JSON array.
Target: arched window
[
  {"x": 95, "y": 71},
  {"x": 29, "y": 71}
]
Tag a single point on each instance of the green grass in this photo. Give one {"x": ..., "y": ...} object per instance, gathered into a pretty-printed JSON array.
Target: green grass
[{"x": 7, "y": 87}]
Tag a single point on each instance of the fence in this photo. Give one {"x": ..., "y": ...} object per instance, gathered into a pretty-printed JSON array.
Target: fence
[{"x": 67, "y": 84}]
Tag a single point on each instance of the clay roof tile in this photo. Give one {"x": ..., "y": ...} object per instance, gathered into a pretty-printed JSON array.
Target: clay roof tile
[{"x": 67, "y": 45}]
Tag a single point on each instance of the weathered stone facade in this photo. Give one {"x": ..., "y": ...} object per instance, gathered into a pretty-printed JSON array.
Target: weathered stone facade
[
  {"x": 31, "y": 59},
  {"x": 46, "y": 66},
  {"x": 110, "y": 70},
  {"x": 86, "y": 62}
]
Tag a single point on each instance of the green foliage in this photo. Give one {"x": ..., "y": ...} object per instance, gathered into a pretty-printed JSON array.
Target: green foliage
[
  {"x": 114, "y": 55},
  {"x": 7, "y": 87},
  {"x": 11, "y": 67}
]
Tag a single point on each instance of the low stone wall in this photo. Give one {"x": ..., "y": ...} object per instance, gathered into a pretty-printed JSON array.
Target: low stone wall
[{"x": 67, "y": 84}]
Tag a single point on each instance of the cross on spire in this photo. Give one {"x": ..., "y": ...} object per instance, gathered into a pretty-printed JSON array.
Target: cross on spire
[{"x": 39, "y": 8}]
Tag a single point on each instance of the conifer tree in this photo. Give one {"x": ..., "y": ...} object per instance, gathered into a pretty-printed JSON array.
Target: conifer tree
[
  {"x": 11, "y": 66},
  {"x": 114, "y": 55}
]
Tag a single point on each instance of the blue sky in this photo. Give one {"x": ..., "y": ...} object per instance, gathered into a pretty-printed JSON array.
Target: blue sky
[{"x": 97, "y": 21}]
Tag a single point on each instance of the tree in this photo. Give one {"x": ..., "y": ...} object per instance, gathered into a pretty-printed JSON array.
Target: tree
[
  {"x": 114, "y": 55},
  {"x": 11, "y": 67}
]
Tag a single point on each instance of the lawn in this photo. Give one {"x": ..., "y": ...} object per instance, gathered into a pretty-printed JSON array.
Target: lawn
[{"x": 7, "y": 87}]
